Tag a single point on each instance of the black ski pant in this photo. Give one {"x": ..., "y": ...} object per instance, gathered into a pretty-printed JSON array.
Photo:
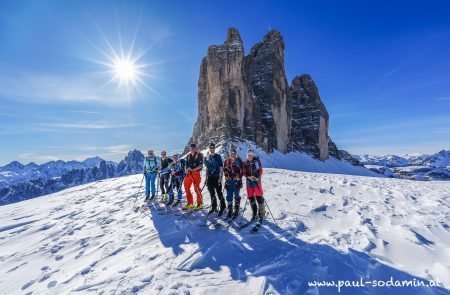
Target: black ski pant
[
  {"x": 164, "y": 183},
  {"x": 214, "y": 184}
]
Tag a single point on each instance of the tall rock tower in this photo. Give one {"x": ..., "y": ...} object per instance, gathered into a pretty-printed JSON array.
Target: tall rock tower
[{"x": 249, "y": 98}]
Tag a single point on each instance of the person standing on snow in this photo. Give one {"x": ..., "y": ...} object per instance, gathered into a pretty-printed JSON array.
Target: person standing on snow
[
  {"x": 164, "y": 176},
  {"x": 194, "y": 164},
  {"x": 177, "y": 174},
  {"x": 214, "y": 174},
  {"x": 253, "y": 171},
  {"x": 233, "y": 169},
  {"x": 151, "y": 167}
]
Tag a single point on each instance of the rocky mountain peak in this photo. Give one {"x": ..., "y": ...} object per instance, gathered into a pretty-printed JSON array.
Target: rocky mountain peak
[
  {"x": 248, "y": 98},
  {"x": 233, "y": 35}
]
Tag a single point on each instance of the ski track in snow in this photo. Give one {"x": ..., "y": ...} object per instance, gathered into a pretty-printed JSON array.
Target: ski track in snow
[{"x": 87, "y": 239}]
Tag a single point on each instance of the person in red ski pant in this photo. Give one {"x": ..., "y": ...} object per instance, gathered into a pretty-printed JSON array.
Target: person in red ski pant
[
  {"x": 194, "y": 165},
  {"x": 253, "y": 171}
]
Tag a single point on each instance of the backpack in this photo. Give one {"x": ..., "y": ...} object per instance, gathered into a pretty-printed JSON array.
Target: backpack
[
  {"x": 257, "y": 163},
  {"x": 228, "y": 163},
  {"x": 150, "y": 160}
]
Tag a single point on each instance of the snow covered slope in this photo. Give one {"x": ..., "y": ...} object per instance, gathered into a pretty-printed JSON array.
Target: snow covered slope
[
  {"x": 87, "y": 239},
  {"x": 294, "y": 160}
]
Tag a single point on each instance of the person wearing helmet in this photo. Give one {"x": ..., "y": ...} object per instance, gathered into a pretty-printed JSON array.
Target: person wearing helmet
[
  {"x": 233, "y": 171},
  {"x": 176, "y": 171},
  {"x": 253, "y": 171}
]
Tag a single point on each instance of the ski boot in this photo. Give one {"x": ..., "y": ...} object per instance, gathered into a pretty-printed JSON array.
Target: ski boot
[
  {"x": 236, "y": 209},
  {"x": 230, "y": 211},
  {"x": 254, "y": 210},
  {"x": 198, "y": 207},
  {"x": 212, "y": 210},
  {"x": 188, "y": 207},
  {"x": 222, "y": 209}
]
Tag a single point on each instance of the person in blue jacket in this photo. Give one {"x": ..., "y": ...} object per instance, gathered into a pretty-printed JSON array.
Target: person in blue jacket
[
  {"x": 152, "y": 165},
  {"x": 177, "y": 173},
  {"x": 214, "y": 172}
]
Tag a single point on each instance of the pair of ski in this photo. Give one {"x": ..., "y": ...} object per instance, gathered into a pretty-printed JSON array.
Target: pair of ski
[
  {"x": 145, "y": 207},
  {"x": 216, "y": 222},
  {"x": 191, "y": 213},
  {"x": 175, "y": 207}
]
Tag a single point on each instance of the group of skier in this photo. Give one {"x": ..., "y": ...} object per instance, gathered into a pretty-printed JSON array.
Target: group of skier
[{"x": 173, "y": 173}]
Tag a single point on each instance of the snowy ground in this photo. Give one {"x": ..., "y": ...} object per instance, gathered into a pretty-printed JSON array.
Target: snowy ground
[{"x": 332, "y": 227}]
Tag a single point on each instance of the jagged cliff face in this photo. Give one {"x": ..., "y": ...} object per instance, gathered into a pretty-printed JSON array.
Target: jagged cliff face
[{"x": 248, "y": 97}]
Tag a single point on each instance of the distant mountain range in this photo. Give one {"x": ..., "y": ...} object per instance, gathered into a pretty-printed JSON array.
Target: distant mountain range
[
  {"x": 415, "y": 166},
  {"x": 19, "y": 182}
]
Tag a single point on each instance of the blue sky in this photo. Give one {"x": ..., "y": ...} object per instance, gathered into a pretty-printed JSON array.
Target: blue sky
[{"x": 382, "y": 68}]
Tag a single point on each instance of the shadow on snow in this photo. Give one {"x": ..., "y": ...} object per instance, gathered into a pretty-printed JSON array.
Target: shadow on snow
[{"x": 286, "y": 262}]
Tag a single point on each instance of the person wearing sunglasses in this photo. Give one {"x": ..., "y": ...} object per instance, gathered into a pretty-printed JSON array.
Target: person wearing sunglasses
[
  {"x": 214, "y": 166},
  {"x": 151, "y": 167},
  {"x": 233, "y": 170},
  {"x": 194, "y": 164},
  {"x": 253, "y": 171}
]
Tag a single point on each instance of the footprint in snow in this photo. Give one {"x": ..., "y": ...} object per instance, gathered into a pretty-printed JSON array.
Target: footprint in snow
[
  {"x": 79, "y": 254},
  {"x": 85, "y": 271},
  {"x": 319, "y": 209},
  {"x": 28, "y": 284},
  {"x": 125, "y": 270},
  {"x": 51, "y": 284},
  {"x": 59, "y": 257},
  {"x": 147, "y": 279}
]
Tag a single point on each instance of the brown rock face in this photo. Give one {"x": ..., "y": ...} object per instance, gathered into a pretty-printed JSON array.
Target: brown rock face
[{"x": 249, "y": 98}]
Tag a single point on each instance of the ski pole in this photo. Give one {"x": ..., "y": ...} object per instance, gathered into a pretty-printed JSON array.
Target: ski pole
[
  {"x": 157, "y": 185},
  {"x": 181, "y": 184},
  {"x": 245, "y": 206},
  {"x": 206, "y": 180},
  {"x": 139, "y": 190},
  {"x": 271, "y": 213}
]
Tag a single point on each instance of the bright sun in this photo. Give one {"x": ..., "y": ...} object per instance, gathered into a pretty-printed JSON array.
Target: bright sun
[
  {"x": 125, "y": 66},
  {"x": 125, "y": 70}
]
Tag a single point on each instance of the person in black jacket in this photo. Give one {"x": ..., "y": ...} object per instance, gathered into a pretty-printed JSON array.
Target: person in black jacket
[
  {"x": 164, "y": 176},
  {"x": 214, "y": 174},
  {"x": 177, "y": 174}
]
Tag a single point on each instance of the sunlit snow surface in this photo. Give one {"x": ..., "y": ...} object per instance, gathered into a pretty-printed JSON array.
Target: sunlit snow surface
[{"x": 87, "y": 239}]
